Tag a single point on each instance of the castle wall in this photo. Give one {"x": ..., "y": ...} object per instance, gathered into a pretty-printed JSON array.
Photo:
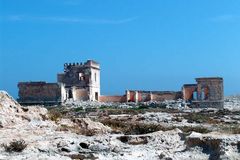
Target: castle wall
[
  {"x": 210, "y": 92},
  {"x": 167, "y": 95},
  {"x": 81, "y": 94},
  {"x": 80, "y": 81},
  {"x": 144, "y": 96},
  {"x": 39, "y": 92},
  {"x": 212, "y": 88},
  {"x": 112, "y": 99},
  {"x": 188, "y": 91},
  {"x": 130, "y": 96}
]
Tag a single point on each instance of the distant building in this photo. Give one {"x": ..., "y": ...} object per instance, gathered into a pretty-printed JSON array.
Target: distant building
[
  {"x": 81, "y": 82},
  {"x": 39, "y": 93},
  {"x": 208, "y": 92}
]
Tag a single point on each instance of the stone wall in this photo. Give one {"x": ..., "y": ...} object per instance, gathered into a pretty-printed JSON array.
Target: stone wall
[
  {"x": 112, "y": 98},
  {"x": 210, "y": 89},
  {"x": 209, "y": 92},
  {"x": 144, "y": 96},
  {"x": 81, "y": 94},
  {"x": 188, "y": 91},
  {"x": 167, "y": 95},
  {"x": 38, "y": 92},
  {"x": 81, "y": 75}
]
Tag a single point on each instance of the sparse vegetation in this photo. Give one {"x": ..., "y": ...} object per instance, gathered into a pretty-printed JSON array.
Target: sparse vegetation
[
  {"x": 54, "y": 115},
  {"x": 230, "y": 128},
  {"x": 136, "y": 110},
  {"x": 78, "y": 109},
  {"x": 187, "y": 129},
  {"x": 200, "y": 118},
  {"x": 15, "y": 146},
  {"x": 136, "y": 128},
  {"x": 104, "y": 107}
]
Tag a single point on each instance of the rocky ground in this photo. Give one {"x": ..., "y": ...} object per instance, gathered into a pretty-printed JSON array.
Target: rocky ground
[{"x": 168, "y": 130}]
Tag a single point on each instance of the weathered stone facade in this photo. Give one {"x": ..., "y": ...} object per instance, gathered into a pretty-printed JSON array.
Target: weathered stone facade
[
  {"x": 118, "y": 98},
  {"x": 144, "y": 96},
  {"x": 208, "y": 92},
  {"x": 80, "y": 81},
  {"x": 39, "y": 93}
]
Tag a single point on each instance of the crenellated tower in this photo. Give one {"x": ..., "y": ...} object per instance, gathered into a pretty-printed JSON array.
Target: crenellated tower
[{"x": 80, "y": 81}]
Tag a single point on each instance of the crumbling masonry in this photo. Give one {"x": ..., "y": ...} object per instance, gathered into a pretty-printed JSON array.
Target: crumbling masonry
[
  {"x": 208, "y": 92},
  {"x": 81, "y": 82}
]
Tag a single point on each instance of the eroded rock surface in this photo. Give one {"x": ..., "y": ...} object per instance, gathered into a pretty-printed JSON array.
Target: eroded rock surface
[{"x": 82, "y": 138}]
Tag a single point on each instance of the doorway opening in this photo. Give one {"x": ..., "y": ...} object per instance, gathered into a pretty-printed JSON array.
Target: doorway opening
[
  {"x": 70, "y": 94},
  {"x": 96, "y": 96}
]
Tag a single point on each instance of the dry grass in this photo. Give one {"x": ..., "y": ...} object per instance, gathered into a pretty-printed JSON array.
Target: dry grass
[
  {"x": 15, "y": 146},
  {"x": 187, "y": 129},
  {"x": 136, "y": 128},
  {"x": 130, "y": 128},
  {"x": 136, "y": 110},
  {"x": 200, "y": 118},
  {"x": 233, "y": 129},
  {"x": 54, "y": 115}
]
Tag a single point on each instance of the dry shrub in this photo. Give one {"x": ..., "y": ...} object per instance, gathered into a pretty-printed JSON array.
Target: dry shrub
[
  {"x": 200, "y": 118},
  {"x": 188, "y": 129},
  {"x": 114, "y": 123},
  {"x": 142, "y": 128},
  {"x": 236, "y": 130},
  {"x": 54, "y": 115},
  {"x": 196, "y": 117},
  {"x": 233, "y": 129},
  {"x": 133, "y": 128},
  {"x": 15, "y": 146}
]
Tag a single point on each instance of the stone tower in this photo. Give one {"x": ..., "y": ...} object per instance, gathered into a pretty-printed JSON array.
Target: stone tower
[
  {"x": 208, "y": 92},
  {"x": 80, "y": 81}
]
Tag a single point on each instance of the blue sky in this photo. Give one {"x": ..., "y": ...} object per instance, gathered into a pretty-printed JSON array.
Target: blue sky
[{"x": 141, "y": 44}]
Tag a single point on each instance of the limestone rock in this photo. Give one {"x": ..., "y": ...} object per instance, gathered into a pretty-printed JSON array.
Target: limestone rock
[{"x": 89, "y": 127}]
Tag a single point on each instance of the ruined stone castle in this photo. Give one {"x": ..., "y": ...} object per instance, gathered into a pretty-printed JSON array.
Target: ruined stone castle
[{"x": 81, "y": 82}]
